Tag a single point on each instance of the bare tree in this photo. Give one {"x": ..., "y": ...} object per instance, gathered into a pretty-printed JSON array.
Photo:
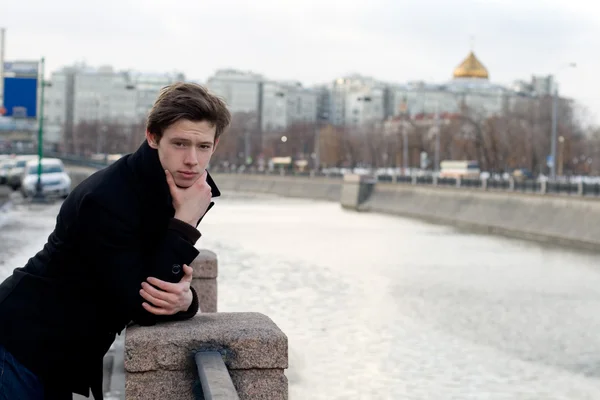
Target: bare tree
[
  {"x": 241, "y": 140},
  {"x": 331, "y": 146}
]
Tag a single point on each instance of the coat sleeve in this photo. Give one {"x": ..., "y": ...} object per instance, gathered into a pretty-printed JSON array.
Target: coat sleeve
[{"x": 122, "y": 262}]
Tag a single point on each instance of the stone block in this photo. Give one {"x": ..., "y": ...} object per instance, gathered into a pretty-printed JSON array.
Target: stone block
[
  {"x": 207, "y": 294},
  {"x": 257, "y": 384},
  {"x": 205, "y": 265},
  {"x": 246, "y": 340},
  {"x": 161, "y": 385}
]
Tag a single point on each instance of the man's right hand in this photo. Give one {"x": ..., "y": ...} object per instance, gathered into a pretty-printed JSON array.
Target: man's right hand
[{"x": 190, "y": 203}]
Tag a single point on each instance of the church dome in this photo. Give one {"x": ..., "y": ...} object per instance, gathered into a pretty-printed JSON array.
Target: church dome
[{"x": 471, "y": 67}]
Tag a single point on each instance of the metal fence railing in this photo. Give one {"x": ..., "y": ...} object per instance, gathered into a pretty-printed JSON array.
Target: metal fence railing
[
  {"x": 579, "y": 188},
  {"x": 530, "y": 186}
]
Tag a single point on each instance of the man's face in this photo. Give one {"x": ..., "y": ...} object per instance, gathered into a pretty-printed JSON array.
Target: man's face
[{"x": 185, "y": 149}]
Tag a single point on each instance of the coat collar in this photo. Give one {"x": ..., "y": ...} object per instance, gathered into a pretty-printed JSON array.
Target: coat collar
[{"x": 151, "y": 178}]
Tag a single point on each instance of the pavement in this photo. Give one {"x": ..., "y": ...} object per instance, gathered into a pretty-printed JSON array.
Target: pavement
[{"x": 5, "y": 192}]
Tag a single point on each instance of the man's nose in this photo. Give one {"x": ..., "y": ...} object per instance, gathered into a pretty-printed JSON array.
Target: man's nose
[{"x": 190, "y": 157}]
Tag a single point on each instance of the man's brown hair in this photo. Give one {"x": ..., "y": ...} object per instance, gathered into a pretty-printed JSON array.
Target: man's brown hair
[{"x": 187, "y": 101}]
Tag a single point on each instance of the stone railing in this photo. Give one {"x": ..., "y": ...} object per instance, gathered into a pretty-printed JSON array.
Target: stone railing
[
  {"x": 204, "y": 280},
  {"x": 160, "y": 359}
]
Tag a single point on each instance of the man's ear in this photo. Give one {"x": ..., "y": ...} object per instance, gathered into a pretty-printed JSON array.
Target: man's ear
[
  {"x": 152, "y": 140},
  {"x": 215, "y": 146}
]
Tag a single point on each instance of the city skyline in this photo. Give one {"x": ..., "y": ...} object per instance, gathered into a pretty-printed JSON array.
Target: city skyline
[{"x": 316, "y": 42}]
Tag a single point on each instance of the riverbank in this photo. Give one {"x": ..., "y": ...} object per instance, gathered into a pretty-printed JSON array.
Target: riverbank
[{"x": 555, "y": 219}]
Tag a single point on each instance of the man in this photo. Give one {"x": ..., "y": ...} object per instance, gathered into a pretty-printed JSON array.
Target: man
[{"x": 120, "y": 252}]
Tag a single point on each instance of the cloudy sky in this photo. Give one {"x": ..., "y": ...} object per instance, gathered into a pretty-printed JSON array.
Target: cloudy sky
[{"x": 315, "y": 41}]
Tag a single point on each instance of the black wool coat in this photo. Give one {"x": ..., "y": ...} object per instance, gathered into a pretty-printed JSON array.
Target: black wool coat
[{"x": 60, "y": 313}]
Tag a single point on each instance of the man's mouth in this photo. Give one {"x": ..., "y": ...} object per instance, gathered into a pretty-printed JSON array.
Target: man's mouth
[{"x": 187, "y": 174}]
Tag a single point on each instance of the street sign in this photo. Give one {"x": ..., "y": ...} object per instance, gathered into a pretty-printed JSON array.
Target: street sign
[
  {"x": 20, "y": 97},
  {"x": 549, "y": 161},
  {"x": 20, "y": 89},
  {"x": 21, "y": 69}
]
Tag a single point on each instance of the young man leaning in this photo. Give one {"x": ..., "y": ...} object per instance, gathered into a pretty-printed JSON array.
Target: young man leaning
[{"x": 120, "y": 252}]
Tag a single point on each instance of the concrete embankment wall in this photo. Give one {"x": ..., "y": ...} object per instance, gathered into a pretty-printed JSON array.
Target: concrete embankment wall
[
  {"x": 567, "y": 220},
  {"x": 304, "y": 187},
  {"x": 557, "y": 219}
]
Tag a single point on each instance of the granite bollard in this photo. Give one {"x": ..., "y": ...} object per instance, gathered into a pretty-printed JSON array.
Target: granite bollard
[
  {"x": 356, "y": 190},
  {"x": 204, "y": 280},
  {"x": 159, "y": 360}
]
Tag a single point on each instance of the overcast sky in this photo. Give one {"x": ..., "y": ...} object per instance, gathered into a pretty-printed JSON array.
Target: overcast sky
[{"x": 315, "y": 41}]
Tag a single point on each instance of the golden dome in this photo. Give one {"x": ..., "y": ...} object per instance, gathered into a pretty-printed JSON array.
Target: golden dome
[{"x": 471, "y": 67}]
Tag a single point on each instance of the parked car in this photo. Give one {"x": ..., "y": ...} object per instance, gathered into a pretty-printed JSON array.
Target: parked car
[
  {"x": 13, "y": 178},
  {"x": 468, "y": 169},
  {"x": 55, "y": 180},
  {"x": 5, "y": 167}
]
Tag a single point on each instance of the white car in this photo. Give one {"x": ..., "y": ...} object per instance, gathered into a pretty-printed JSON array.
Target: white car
[
  {"x": 55, "y": 180},
  {"x": 13, "y": 178}
]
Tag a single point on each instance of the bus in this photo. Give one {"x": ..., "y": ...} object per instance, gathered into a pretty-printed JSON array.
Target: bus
[{"x": 462, "y": 169}]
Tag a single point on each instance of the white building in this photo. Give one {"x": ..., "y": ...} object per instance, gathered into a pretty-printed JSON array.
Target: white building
[
  {"x": 469, "y": 87},
  {"x": 148, "y": 87},
  {"x": 274, "y": 115},
  {"x": 356, "y": 99},
  {"x": 287, "y": 103},
  {"x": 103, "y": 95},
  {"x": 279, "y": 104},
  {"x": 55, "y": 106},
  {"x": 240, "y": 90},
  {"x": 83, "y": 94},
  {"x": 301, "y": 103},
  {"x": 365, "y": 106}
]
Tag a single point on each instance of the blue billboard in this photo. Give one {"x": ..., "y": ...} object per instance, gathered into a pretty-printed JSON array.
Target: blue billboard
[{"x": 20, "y": 97}]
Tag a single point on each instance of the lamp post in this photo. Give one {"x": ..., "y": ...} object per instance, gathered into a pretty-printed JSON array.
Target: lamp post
[
  {"x": 555, "y": 123},
  {"x": 404, "y": 147},
  {"x": 39, "y": 192},
  {"x": 284, "y": 139},
  {"x": 561, "y": 140},
  {"x": 317, "y": 147},
  {"x": 436, "y": 166}
]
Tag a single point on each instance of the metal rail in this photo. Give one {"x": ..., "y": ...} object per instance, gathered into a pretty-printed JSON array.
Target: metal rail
[{"x": 214, "y": 377}]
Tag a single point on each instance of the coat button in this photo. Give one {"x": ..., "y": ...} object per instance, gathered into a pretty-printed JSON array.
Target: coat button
[{"x": 176, "y": 269}]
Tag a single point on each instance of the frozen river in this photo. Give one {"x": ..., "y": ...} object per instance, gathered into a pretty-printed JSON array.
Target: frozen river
[{"x": 378, "y": 307}]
